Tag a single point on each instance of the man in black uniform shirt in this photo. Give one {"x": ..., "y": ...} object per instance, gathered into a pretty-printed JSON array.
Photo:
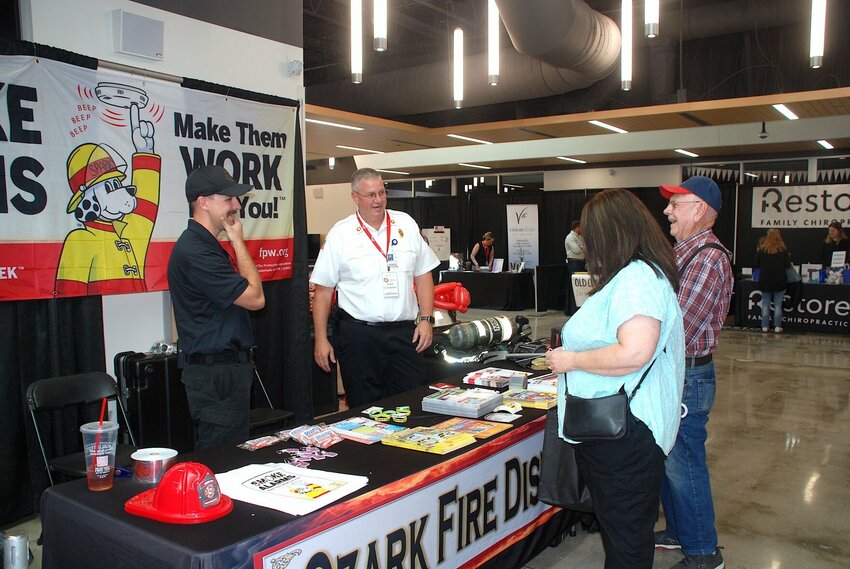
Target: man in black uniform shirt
[{"x": 211, "y": 303}]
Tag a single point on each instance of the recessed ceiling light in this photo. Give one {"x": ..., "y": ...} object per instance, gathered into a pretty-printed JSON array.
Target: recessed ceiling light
[
  {"x": 568, "y": 159},
  {"x": 786, "y": 112},
  {"x": 474, "y": 166},
  {"x": 393, "y": 172},
  {"x": 469, "y": 138},
  {"x": 750, "y": 174},
  {"x": 337, "y": 125},
  {"x": 687, "y": 153},
  {"x": 359, "y": 149},
  {"x": 826, "y": 144},
  {"x": 609, "y": 127},
  {"x": 512, "y": 186}
]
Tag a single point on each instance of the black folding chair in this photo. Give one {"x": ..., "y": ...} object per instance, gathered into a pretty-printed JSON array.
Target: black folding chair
[
  {"x": 60, "y": 393},
  {"x": 263, "y": 417}
]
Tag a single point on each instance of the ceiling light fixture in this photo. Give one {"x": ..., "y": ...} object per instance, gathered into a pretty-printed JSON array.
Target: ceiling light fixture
[
  {"x": 512, "y": 186},
  {"x": 475, "y": 166},
  {"x": 686, "y": 153},
  {"x": 328, "y": 123},
  {"x": 818, "y": 33},
  {"x": 786, "y": 112},
  {"x": 750, "y": 174},
  {"x": 356, "y": 41},
  {"x": 650, "y": 18},
  {"x": 492, "y": 42},
  {"x": 609, "y": 127},
  {"x": 458, "y": 68},
  {"x": 331, "y": 163},
  {"x": 360, "y": 149},
  {"x": 626, "y": 46},
  {"x": 826, "y": 144},
  {"x": 393, "y": 172},
  {"x": 380, "y": 25},
  {"x": 469, "y": 138},
  {"x": 568, "y": 159}
]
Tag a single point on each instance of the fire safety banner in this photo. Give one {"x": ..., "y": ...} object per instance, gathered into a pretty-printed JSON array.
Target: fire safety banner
[{"x": 93, "y": 165}]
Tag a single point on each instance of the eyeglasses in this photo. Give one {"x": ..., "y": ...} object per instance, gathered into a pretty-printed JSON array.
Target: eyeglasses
[
  {"x": 674, "y": 205},
  {"x": 372, "y": 195}
]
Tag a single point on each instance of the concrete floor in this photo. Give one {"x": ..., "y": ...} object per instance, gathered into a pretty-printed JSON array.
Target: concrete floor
[{"x": 778, "y": 448}]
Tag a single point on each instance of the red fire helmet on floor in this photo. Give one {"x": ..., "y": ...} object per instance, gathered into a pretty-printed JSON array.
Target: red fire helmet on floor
[{"x": 187, "y": 494}]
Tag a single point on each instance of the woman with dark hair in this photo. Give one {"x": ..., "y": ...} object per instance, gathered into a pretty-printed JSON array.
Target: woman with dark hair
[
  {"x": 631, "y": 324},
  {"x": 482, "y": 252},
  {"x": 836, "y": 240},
  {"x": 772, "y": 259}
]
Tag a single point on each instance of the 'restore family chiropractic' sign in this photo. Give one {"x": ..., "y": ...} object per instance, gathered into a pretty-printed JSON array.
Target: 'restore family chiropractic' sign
[
  {"x": 800, "y": 207},
  {"x": 92, "y": 171}
]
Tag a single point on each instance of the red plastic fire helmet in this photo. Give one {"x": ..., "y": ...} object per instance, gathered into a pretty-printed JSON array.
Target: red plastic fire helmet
[{"x": 187, "y": 494}]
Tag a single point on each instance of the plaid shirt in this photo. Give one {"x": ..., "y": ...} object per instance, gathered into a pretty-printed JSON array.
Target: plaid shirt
[{"x": 704, "y": 292}]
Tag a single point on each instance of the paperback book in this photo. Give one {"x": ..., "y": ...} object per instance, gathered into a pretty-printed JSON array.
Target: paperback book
[
  {"x": 544, "y": 383},
  {"x": 475, "y": 427},
  {"x": 472, "y": 403},
  {"x": 429, "y": 439},
  {"x": 494, "y": 377},
  {"x": 363, "y": 429},
  {"x": 528, "y": 398}
]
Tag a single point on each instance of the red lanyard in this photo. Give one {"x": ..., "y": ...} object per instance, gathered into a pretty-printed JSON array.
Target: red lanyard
[{"x": 372, "y": 239}]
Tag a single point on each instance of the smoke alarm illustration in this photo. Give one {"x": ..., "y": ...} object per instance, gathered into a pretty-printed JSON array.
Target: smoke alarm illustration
[{"x": 122, "y": 96}]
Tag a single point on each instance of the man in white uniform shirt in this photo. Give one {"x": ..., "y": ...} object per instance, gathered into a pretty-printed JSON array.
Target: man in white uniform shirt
[
  {"x": 574, "y": 246},
  {"x": 374, "y": 258}
]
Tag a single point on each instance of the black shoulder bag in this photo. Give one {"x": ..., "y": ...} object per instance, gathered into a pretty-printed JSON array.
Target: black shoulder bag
[{"x": 600, "y": 418}]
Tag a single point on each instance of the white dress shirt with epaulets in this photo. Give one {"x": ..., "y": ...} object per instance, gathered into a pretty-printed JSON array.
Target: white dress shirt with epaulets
[{"x": 353, "y": 264}]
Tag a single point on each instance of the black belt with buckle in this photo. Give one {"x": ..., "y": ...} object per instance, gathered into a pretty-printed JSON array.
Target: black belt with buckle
[
  {"x": 346, "y": 316},
  {"x": 694, "y": 361},
  {"x": 220, "y": 358}
]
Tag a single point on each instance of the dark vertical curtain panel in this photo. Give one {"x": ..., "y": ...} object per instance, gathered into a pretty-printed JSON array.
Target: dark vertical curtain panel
[
  {"x": 486, "y": 213},
  {"x": 41, "y": 339},
  {"x": 283, "y": 328},
  {"x": 428, "y": 212}
]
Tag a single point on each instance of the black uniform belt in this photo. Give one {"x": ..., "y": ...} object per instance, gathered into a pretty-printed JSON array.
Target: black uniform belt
[
  {"x": 398, "y": 324},
  {"x": 220, "y": 358},
  {"x": 694, "y": 361}
]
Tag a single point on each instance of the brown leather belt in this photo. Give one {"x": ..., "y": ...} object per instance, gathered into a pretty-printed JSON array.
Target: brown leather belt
[{"x": 694, "y": 361}]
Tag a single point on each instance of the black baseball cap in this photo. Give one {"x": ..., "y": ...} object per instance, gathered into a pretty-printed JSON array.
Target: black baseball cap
[{"x": 209, "y": 180}]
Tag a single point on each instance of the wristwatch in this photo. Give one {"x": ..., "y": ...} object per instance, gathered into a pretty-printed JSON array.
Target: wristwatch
[{"x": 428, "y": 319}]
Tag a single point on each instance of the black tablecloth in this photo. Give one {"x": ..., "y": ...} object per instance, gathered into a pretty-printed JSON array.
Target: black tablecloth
[
  {"x": 91, "y": 529},
  {"x": 813, "y": 307},
  {"x": 495, "y": 291}
]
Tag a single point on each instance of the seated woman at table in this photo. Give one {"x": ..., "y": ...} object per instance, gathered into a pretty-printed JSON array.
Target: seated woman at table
[
  {"x": 483, "y": 253},
  {"x": 630, "y": 324},
  {"x": 772, "y": 259},
  {"x": 836, "y": 240}
]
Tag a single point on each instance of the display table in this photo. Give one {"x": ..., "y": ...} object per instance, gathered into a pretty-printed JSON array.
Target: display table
[
  {"x": 495, "y": 291},
  {"x": 817, "y": 307},
  {"x": 474, "y": 507}
]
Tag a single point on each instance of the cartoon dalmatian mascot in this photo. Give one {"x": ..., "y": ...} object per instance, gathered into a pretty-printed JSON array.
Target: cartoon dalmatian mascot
[{"x": 107, "y": 254}]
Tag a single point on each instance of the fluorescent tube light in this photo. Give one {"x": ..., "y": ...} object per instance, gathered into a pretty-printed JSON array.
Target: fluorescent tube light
[
  {"x": 328, "y": 123},
  {"x": 786, "y": 112},
  {"x": 360, "y": 149},
  {"x": 568, "y": 159},
  {"x": 469, "y": 138},
  {"x": 609, "y": 127},
  {"x": 687, "y": 153}
]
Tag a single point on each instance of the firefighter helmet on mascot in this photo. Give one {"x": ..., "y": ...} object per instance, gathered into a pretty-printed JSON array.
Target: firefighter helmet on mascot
[{"x": 89, "y": 164}]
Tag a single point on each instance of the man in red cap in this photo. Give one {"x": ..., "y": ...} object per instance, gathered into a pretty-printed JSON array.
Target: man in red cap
[{"x": 704, "y": 294}]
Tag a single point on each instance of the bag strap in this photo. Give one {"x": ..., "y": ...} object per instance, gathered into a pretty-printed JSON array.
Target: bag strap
[
  {"x": 641, "y": 380},
  {"x": 697, "y": 252}
]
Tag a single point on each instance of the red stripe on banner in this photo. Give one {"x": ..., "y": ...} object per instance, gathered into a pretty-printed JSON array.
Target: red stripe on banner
[
  {"x": 146, "y": 209},
  {"x": 350, "y": 509},
  {"x": 146, "y": 162},
  {"x": 28, "y": 270}
]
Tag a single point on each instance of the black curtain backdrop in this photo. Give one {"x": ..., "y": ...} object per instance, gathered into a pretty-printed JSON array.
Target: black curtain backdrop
[
  {"x": 40, "y": 339},
  {"x": 49, "y": 338}
]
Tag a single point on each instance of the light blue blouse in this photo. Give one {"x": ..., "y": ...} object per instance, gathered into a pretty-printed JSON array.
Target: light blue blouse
[{"x": 635, "y": 290}]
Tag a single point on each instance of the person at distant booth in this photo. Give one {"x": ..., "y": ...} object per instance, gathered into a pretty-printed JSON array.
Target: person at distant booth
[
  {"x": 574, "y": 247},
  {"x": 483, "y": 253},
  {"x": 836, "y": 240},
  {"x": 772, "y": 260}
]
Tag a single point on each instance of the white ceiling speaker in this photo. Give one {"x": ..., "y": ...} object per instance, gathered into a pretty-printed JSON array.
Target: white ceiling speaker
[{"x": 138, "y": 35}]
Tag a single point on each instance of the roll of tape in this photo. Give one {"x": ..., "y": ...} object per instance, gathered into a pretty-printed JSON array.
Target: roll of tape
[{"x": 149, "y": 464}]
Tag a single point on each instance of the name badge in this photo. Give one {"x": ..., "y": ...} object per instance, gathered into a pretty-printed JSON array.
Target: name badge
[{"x": 390, "y": 284}]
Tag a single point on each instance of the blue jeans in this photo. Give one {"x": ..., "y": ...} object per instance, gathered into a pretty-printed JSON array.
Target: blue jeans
[
  {"x": 766, "y": 299},
  {"x": 686, "y": 490}
]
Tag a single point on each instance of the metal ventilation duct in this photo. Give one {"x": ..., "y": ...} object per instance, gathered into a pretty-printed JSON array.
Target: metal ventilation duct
[{"x": 567, "y": 46}]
